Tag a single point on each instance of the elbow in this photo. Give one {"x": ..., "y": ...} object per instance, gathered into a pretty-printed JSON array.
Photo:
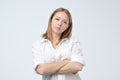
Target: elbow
[
  {"x": 78, "y": 67},
  {"x": 40, "y": 70}
]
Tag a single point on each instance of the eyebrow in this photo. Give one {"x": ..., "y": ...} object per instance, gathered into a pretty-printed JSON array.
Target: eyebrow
[{"x": 63, "y": 19}]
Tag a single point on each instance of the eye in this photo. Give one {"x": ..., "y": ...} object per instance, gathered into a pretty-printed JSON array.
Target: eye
[
  {"x": 57, "y": 19},
  {"x": 65, "y": 22}
]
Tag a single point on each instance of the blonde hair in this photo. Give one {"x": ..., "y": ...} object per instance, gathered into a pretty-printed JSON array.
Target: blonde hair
[{"x": 67, "y": 33}]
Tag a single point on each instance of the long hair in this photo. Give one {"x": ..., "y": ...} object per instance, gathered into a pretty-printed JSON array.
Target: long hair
[{"x": 67, "y": 33}]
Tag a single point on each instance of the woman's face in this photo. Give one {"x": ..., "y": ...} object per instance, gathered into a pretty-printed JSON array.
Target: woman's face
[{"x": 59, "y": 23}]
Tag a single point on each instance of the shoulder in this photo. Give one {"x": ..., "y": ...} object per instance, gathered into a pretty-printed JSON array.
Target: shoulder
[
  {"x": 39, "y": 41},
  {"x": 74, "y": 40}
]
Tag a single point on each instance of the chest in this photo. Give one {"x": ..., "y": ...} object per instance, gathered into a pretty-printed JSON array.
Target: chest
[{"x": 61, "y": 52}]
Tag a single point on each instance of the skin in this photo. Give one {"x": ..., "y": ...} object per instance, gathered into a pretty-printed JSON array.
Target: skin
[{"x": 59, "y": 24}]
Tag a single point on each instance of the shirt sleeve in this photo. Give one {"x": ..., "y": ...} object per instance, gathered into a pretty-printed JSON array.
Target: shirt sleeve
[
  {"x": 37, "y": 51},
  {"x": 77, "y": 55}
]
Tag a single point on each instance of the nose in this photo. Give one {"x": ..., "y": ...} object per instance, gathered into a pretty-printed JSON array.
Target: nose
[{"x": 60, "y": 23}]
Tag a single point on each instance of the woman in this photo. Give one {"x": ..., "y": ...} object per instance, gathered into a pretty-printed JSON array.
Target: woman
[{"x": 55, "y": 55}]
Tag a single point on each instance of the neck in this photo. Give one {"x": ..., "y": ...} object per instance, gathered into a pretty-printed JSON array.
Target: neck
[{"x": 55, "y": 38}]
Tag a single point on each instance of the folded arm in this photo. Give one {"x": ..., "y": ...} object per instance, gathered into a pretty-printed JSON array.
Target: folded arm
[
  {"x": 62, "y": 67},
  {"x": 71, "y": 67}
]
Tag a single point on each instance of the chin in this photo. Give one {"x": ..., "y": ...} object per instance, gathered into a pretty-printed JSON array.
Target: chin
[{"x": 57, "y": 32}]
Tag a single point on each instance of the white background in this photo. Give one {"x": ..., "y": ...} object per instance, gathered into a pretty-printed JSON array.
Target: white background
[{"x": 96, "y": 23}]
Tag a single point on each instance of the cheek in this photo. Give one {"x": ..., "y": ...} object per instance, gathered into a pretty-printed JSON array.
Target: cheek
[
  {"x": 53, "y": 23},
  {"x": 64, "y": 28}
]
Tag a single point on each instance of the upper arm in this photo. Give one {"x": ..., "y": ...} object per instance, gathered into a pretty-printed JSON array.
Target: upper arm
[
  {"x": 77, "y": 55},
  {"x": 37, "y": 53}
]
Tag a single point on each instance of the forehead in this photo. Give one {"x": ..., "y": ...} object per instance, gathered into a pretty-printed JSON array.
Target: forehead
[{"x": 61, "y": 15}]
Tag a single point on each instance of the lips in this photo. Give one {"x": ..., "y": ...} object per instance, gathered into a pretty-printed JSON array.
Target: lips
[{"x": 58, "y": 28}]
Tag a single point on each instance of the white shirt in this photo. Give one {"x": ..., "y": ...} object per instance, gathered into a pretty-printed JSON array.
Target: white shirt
[{"x": 43, "y": 52}]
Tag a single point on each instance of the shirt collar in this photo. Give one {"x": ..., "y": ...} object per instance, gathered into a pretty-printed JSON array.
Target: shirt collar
[{"x": 44, "y": 40}]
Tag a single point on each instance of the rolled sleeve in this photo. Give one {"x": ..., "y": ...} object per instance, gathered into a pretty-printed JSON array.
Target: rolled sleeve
[{"x": 77, "y": 55}]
